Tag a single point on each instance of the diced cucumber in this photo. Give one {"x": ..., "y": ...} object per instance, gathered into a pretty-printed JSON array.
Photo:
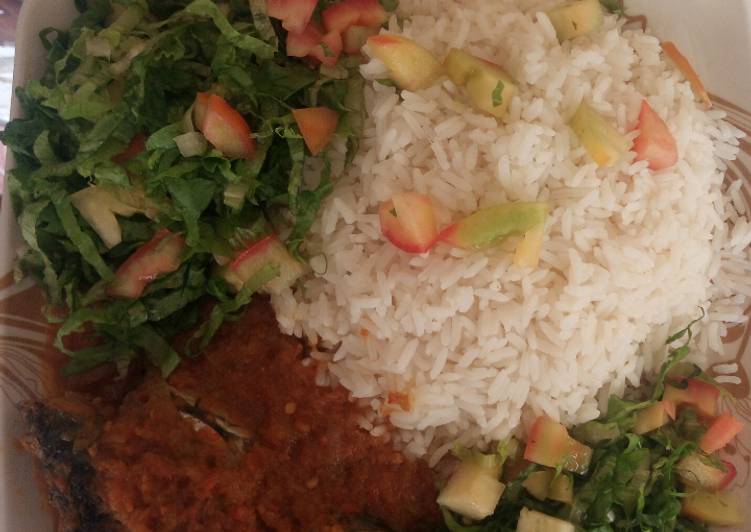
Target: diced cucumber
[
  {"x": 538, "y": 484},
  {"x": 98, "y": 207},
  {"x": 532, "y": 521},
  {"x": 562, "y": 488},
  {"x": 489, "y": 87},
  {"x": 651, "y": 418},
  {"x": 528, "y": 249},
  {"x": 576, "y": 18},
  {"x": 605, "y": 144},
  {"x": 714, "y": 509},
  {"x": 471, "y": 491}
]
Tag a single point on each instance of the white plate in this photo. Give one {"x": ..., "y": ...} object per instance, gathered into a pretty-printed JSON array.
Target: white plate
[{"x": 715, "y": 35}]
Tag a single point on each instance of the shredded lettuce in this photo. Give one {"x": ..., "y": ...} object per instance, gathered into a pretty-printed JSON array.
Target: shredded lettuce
[
  {"x": 631, "y": 483},
  {"x": 613, "y": 6},
  {"x": 111, "y": 78}
]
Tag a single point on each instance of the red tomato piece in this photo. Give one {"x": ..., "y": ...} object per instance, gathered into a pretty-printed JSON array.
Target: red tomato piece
[
  {"x": 655, "y": 143},
  {"x": 549, "y": 444},
  {"x": 408, "y": 221},
  {"x": 302, "y": 44},
  {"x": 227, "y": 130},
  {"x": 340, "y": 16},
  {"x": 294, "y": 14},
  {"x": 372, "y": 13},
  {"x": 720, "y": 433},
  {"x": 732, "y": 472},
  {"x": 136, "y": 146},
  {"x": 199, "y": 108},
  {"x": 329, "y": 49},
  {"x": 697, "y": 393},
  {"x": 317, "y": 125},
  {"x": 268, "y": 250},
  {"x": 159, "y": 255}
]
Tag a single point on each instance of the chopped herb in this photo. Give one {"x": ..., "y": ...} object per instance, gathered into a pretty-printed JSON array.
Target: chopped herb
[
  {"x": 498, "y": 94},
  {"x": 386, "y": 82},
  {"x": 326, "y": 50},
  {"x": 389, "y": 5},
  {"x": 613, "y": 6}
]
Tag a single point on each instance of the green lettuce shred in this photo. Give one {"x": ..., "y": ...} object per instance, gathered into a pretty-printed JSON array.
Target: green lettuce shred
[
  {"x": 112, "y": 77},
  {"x": 631, "y": 483}
]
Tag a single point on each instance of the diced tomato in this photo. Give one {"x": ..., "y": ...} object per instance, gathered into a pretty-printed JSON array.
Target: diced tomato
[
  {"x": 685, "y": 67},
  {"x": 340, "y": 16},
  {"x": 720, "y": 433},
  {"x": 268, "y": 250},
  {"x": 655, "y": 142},
  {"x": 329, "y": 49},
  {"x": 301, "y": 44},
  {"x": 400, "y": 399},
  {"x": 697, "y": 393},
  {"x": 408, "y": 221},
  {"x": 136, "y": 146},
  {"x": 227, "y": 130},
  {"x": 731, "y": 473},
  {"x": 411, "y": 66},
  {"x": 199, "y": 108},
  {"x": 159, "y": 255},
  {"x": 489, "y": 226},
  {"x": 550, "y": 445},
  {"x": 294, "y": 14},
  {"x": 372, "y": 13},
  {"x": 317, "y": 125},
  {"x": 312, "y": 42}
]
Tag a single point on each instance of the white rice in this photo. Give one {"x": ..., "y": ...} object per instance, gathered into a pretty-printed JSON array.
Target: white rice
[{"x": 478, "y": 344}]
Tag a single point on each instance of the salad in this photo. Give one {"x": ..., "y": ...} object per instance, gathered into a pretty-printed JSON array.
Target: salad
[
  {"x": 650, "y": 463},
  {"x": 172, "y": 160}
]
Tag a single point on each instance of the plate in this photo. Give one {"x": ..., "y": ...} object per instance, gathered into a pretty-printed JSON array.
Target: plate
[{"x": 718, "y": 42}]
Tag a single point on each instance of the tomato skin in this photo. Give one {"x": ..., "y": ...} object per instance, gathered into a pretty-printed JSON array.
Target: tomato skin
[
  {"x": 135, "y": 147},
  {"x": 329, "y": 49},
  {"x": 255, "y": 249},
  {"x": 732, "y": 472},
  {"x": 159, "y": 255},
  {"x": 408, "y": 222},
  {"x": 301, "y": 44},
  {"x": 199, "y": 108},
  {"x": 697, "y": 393},
  {"x": 294, "y": 14},
  {"x": 549, "y": 444},
  {"x": 372, "y": 13},
  {"x": 227, "y": 130},
  {"x": 268, "y": 250},
  {"x": 317, "y": 125},
  {"x": 720, "y": 433},
  {"x": 655, "y": 143},
  {"x": 338, "y": 17}
]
